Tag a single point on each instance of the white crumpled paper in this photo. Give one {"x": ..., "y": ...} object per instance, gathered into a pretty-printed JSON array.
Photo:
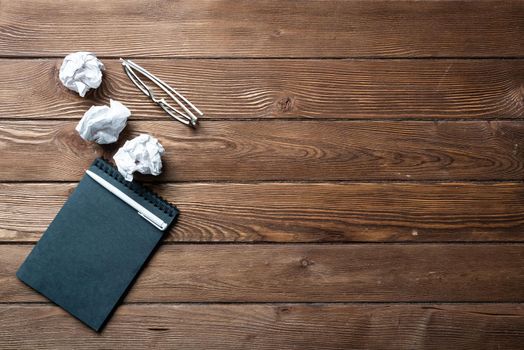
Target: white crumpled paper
[
  {"x": 81, "y": 71},
  {"x": 103, "y": 124},
  {"x": 140, "y": 154}
]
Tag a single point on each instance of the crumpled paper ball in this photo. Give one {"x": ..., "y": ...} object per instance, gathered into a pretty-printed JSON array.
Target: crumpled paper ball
[
  {"x": 103, "y": 124},
  {"x": 142, "y": 154},
  {"x": 81, "y": 71}
]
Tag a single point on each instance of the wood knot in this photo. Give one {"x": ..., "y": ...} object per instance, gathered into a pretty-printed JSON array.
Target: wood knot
[
  {"x": 306, "y": 262},
  {"x": 277, "y": 33},
  {"x": 158, "y": 329},
  {"x": 285, "y": 104},
  {"x": 281, "y": 312},
  {"x": 520, "y": 99}
]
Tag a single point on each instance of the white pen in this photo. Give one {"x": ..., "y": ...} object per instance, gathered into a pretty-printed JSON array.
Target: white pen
[{"x": 143, "y": 212}]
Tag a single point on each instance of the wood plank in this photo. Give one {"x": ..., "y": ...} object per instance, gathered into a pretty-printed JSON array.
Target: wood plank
[
  {"x": 283, "y": 326},
  {"x": 313, "y": 273},
  {"x": 283, "y": 150},
  {"x": 282, "y": 28},
  {"x": 291, "y": 212},
  {"x": 283, "y": 88}
]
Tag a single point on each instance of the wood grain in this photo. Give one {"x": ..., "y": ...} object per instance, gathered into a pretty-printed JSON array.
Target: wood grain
[
  {"x": 260, "y": 29},
  {"x": 284, "y": 150},
  {"x": 299, "y": 145},
  {"x": 384, "y": 89},
  {"x": 288, "y": 212},
  {"x": 283, "y": 326},
  {"x": 313, "y": 273}
]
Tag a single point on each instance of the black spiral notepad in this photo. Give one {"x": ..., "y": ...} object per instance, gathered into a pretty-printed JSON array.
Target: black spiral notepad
[{"x": 93, "y": 250}]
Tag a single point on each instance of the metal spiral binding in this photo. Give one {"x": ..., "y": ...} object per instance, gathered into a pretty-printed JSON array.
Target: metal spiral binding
[{"x": 149, "y": 195}]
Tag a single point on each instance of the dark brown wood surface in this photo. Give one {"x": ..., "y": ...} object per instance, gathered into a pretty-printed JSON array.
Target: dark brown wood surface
[
  {"x": 281, "y": 150},
  {"x": 356, "y": 182},
  {"x": 313, "y": 273},
  {"x": 302, "y": 212},
  {"x": 283, "y": 28},
  {"x": 270, "y": 89},
  {"x": 270, "y": 326}
]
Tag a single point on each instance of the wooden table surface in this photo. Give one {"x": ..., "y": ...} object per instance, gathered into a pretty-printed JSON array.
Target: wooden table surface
[{"x": 356, "y": 182}]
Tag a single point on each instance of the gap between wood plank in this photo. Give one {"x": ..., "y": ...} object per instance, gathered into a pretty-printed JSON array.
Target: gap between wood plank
[
  {"x": 284, "y": 182},
  {"x": 310, "y": 303},
  {"x": 352, "y": 58},
  {"x": 308, "y": 243},
  {"x": 291, "y": 119}
]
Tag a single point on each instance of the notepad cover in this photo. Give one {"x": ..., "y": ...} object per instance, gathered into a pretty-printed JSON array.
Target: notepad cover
[{"x": 92, "y": 251}]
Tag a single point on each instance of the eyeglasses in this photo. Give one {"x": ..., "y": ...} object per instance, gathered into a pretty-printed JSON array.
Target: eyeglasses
[{"x": 186, "y": 116}]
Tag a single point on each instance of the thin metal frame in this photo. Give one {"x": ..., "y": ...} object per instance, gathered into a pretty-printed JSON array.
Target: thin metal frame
[{"x": 187, "y": 117}]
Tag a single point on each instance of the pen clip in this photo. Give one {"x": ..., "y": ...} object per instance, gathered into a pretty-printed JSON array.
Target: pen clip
[{"x": 162, "y": 228}]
